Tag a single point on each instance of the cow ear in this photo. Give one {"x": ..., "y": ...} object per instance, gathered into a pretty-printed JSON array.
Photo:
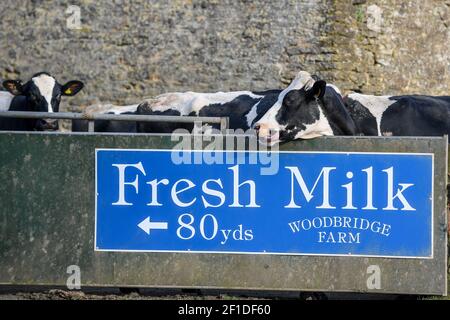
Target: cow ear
[
  {"x": 318, "y": 90},
  {"x": 13, "y": 86},
  {"x": 71, "y": 88}
]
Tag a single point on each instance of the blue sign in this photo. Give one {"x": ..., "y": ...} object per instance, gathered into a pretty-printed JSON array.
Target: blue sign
[{"x": 314, "y": 203}]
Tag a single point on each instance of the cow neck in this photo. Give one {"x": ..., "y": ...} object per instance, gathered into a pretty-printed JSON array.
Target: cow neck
[{"x": 339, "y": 118}]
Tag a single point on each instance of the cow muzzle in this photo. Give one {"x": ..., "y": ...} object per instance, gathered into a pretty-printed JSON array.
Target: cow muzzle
[
  {"x": 47, "y": 125},
  {"x": 267, "y": 135}
]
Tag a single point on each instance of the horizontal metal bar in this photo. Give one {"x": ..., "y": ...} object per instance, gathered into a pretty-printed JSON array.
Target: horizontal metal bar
[{"x": 110, "y": 117}]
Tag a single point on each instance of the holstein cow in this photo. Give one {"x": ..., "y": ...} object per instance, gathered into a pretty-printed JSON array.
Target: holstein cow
[
  {"x": 408, "y": 115},
  {"x": 42, "y": 93},
  {"x": 306, "y": 110},
  {"x": 244, "y": 108},
  {"x": 319, "y": 110},
  {"x": 105, "y": 125}
]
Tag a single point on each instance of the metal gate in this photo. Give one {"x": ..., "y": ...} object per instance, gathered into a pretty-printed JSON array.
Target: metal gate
[{"x": 47, "y": 221}]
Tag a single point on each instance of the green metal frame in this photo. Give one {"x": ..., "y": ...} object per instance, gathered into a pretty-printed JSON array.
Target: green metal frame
[{"x": 47, "y": 224}]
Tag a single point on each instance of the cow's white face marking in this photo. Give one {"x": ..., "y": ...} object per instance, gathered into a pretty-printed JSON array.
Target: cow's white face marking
[
  {"x": 376, "y": 105},
  {"x": 5, "y": 100},
  {"x": 45, "y": 84},
  {"x": 268, "y": 124},
  {"x": 187, "y": 102},
  {"x": 320, "y": 127}
]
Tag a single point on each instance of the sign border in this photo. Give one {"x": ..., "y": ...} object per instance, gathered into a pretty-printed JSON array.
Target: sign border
[{"x": 96, "y": 249}]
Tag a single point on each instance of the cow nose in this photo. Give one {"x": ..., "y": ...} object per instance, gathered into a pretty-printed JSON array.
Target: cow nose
[
  {"x": 52, "y": 124},
  {"x": 262, "y": 129},
  {"x": 43, "y": 125},
  {"x": 267, "y": 133}
]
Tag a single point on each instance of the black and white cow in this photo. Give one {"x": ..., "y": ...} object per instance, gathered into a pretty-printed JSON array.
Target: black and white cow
[
  {"x": 106, "y": 125},
  {"x": 318, "y": 109},
  {"x": 408, "y": 115},
  {"x": 244, "y": 108},
  {"x": 42, "y": 93},
  {"x": 302, "y": 112}
]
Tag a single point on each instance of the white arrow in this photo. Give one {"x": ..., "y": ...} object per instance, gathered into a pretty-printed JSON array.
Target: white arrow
[{"x": 146, "y": 225}]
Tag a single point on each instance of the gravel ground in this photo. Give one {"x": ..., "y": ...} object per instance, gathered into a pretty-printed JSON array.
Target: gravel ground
[
  {"x": 48, "y": 293},
  {"x": 57, "y": 294},
  {"x": 39, "y": 293}
]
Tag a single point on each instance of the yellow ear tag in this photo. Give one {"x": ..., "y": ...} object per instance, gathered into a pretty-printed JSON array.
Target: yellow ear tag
[
  {"x": 318, "y": 93},
  {"x": 68, "y": 91}
]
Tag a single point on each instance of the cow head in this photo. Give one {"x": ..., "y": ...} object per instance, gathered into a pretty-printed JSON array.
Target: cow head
[
  {"x": 297, "y": 114},
  {"x": 43, "y": 94}
]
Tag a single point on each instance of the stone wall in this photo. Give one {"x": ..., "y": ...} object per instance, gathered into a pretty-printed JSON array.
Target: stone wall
[
  {"x": 126, "y": 50},
  {"x": 392, "y": 46}
]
